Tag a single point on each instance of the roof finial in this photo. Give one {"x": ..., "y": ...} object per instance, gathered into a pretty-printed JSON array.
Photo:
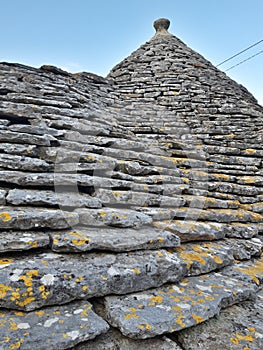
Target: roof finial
[{"x": 161, "y": 25}]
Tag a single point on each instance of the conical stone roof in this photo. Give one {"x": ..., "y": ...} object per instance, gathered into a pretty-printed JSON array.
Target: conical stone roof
[{"x": 132, "y": 206}]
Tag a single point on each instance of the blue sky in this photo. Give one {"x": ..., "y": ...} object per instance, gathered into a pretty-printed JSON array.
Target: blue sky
[{"x": 94, "y": 35}]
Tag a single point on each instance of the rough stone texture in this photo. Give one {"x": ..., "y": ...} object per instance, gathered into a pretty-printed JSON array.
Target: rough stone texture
[
  {"x": 101, "y": 179},
  {"x": 175, "y": 307},
  {"x": 240, "y": 327},
  {"x": 49, "y": 279},
  {"x": 114, "y": 340},
  {"x": 118, "y": 240},
  {"x": 60, "y": 327}
]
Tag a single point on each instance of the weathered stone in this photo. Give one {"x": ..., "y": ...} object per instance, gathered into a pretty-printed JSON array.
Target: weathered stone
[
  {"x": 112, "y": 217},
  {"x": 57, "y": 279},
  {"x": 2, "y": 197},
  {"x": 23, "y": 163},
  {"x": 113, "y": 339},
  {"x": 118, "y": 240},
  {"x": 245, "y": 249},
  {"x": 205, "y": 257},
  {"x": 193, "y": 230},
  {"x": 240, "y": 327},
  {"x": 174, "y": 307},
  {"x": 20, "y": 137},
  {"x": 241, "y": 230},
  {"x": 59, "y": 327},
  {"x": 22, "y": 240},
  {"x": 50, "y": 198},
  {"x": 28, "y": 218}
]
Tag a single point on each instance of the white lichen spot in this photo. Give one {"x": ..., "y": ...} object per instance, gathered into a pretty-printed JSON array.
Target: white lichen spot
[
  {"x": 49, "y": 323},
  {"x": 73, "y": 335},
  {"x": 79, "y": 311},
  {"x": 47, "y": 280},
  {"x": 23, "y": 325},
  {"x": 112, "y": 271},
  {"x": 16, "y": 275},
  {"x": 204, "y": 288},
  {"x": 177, "y": 289}
]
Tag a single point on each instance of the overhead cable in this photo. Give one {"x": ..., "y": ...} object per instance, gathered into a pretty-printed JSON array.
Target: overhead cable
[
  {"x": 247, "y": 59},
  {"x": 239, "y": 53}
]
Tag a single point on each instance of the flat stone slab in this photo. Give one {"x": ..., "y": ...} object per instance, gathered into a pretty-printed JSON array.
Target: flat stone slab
[
  {"x": 205, "y": 257},
  {"x": 112, "y": 217},
  {"x": 112, "y": 239},
  {"x": 245, "y": 249},
  {"x": 26, "y": 218},
  {"x": 193, "y": 230},
  {"x": 50, "y": 198},
  {"x": 238, "y": 327},
  {"x": 2, "y": 197},
  {"x": 11, "y": 241},
  {"x": 59, "y": 327},
  {"x": 33, "y": 281},
  {"x": 113, "y": 339},
  {"x": 175, "y": 306}
]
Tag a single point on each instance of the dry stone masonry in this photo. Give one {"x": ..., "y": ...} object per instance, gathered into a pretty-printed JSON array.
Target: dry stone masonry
[{"x": 131, "y": 206}]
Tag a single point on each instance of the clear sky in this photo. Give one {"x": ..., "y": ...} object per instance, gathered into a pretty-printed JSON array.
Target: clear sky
[{"x": 94, "y": 35}]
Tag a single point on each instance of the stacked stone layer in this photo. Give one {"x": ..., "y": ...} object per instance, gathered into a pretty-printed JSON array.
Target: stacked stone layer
[{"x": 131, "y": 206}]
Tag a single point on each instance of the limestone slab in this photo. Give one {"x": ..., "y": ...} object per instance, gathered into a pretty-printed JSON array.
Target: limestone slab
[
  {"x": 27, "y": 218},
  {"x": 176, "y": 306},
  {"x": 33, "y": 281},
  {"x": 59, "y": 327},
  {"x": 112, "y": 239},
  {"x": 238, "y": 327},
  {"x": 12, "y": 241},
  {"x": 50, "y": 198}
]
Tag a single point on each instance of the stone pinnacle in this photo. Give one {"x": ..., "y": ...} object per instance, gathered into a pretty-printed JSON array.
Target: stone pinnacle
[{"x": 161, "y": 25}]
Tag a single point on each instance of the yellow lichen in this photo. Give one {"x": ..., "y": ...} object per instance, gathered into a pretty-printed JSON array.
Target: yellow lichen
[
  {"x": 180, "y": 322},
  {"x": 5, "y": 217},
  {"x": 197, "y": 318},
  {"x": 3, "y": 290},
  {"x": 6, "y": 261},
  {"x": 130, "y": 316},
  {"x": 136, "y": 271}
]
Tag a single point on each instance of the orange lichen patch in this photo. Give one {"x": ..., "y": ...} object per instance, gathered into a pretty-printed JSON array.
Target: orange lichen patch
[
  {"x": 130, "y": 316},
  {"x": 84, "y": 288},
  {"x": 13, "y": 326},
  {"x": 79, "y": 279},
  {"x": 252, "y": 329},
  {"x": 5, "y": 217},
  {"x": 117, "y": 194},
  {"x": 29, "y": 277},
  {"x": 217, "y": 259},
  {"x": 15, "y": 346},
  {"x": 44, "y": 293},
  {"x": 160, "y": 254},
  {"x": 190, "y": 257},
  {"x": 253, "y": 271},
  {"x": 136, "y": 271},
  {"x": 180, "y": 322},
  {"x": 6, "y": 261},
  {"x": 25, "y": 301},
  {"x": 234, "y": 341},
  {"x": 3, "y": 290},
  {"x": 132, "y": 309},
  {"x": 156, "y": 300},
  {"x": 221, "y": 176},
  {"x": 250, "y": 151},
  {"x": 19, "y": 313},
  {"x": 160, "y": 239},
  {"x": 197, "y": 318},
  {"x": 102, "y": 214},
  {"x": 40, "y": 313}
]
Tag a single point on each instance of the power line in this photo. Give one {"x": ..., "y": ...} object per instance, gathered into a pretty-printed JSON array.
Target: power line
[
  {"x": 239, "y": 53},
  {"x": 249, "y": 58}
]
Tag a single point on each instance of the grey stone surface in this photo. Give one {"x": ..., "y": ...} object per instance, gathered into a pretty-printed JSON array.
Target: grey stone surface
[
  {"x": 189, "y": 230},
  {"x": 112, "y": 239},
  {"x": 113, "y": 217},
  {"x": 48, "y": 279},
  {"x": 166, "y": 140},
  {"x": 240, "y": 327},
  {"x": 60, "y": 327},
  {"x": 31, "y": 218},
  {"x": 49, "y": 198},
  {"x": 12, "y": 241},
  {"x": 114, "y": 340},
  {"x": 175, "y": 307}
]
